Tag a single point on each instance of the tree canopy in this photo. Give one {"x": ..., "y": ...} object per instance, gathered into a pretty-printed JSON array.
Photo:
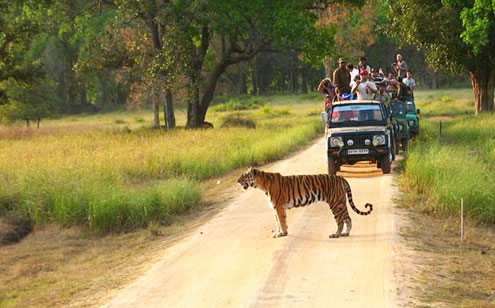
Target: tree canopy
[
  {"x": 182, "y": 52},
  {"x": 456, "y": 36}
]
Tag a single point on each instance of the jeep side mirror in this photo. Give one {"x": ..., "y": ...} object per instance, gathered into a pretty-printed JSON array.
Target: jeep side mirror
[
  {"x": 324, "y": 116},
  {"x": 417, "y": 111}
]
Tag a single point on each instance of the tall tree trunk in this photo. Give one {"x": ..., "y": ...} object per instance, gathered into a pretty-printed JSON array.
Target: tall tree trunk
[
  {"x": 293, "y": 75},
  {"x": 304, "y": 81},
  {"x": 199, "y": 107},
  {"x": 193, "y": 110},
  {"x": 328, "y": 67},
  {"x": 82, "y": 91},
  {"x": 242, "y": 86},
  {"x": 169, "y": 110},
  {"x": 483, "y": 82},
  {"x": 254, "y": 79},
  {"x": 156, "y": 107}
]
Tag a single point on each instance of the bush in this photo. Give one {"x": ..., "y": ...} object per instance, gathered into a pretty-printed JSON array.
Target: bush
[
  {"x": 458, "y": 164},
  {"x": 235, "y": 105},
  {"x": 115, "y": 180},
  {"x": 446, "y": 99},
  {"x": 237, "y": 120}
]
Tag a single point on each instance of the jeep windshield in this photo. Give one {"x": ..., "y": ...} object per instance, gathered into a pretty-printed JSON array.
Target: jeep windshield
[
  {"x": 356, "y": 115},
  {"x": 410, "y": 106},
  {"x": 399, "y": 109}
]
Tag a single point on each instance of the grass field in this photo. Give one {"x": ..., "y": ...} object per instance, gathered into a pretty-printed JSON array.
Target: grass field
[
  {"x": 459, "y": 163},
  {"x": 439, "y": 170},
  {"x": 111, "y": 172},
  {"x": 82, "y": 179}
]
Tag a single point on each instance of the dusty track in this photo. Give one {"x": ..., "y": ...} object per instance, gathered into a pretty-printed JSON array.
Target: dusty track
[{"x": 232, "y": 261}]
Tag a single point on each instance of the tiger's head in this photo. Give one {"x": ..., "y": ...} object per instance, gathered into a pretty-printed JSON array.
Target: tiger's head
[{"x": 248, "y": 178}]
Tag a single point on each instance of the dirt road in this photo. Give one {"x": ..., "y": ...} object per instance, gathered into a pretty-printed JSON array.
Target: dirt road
[{"x": 232, "y": 261}]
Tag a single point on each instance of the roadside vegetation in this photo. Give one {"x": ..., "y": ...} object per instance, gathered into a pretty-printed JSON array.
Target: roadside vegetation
[
  {"x": 122, "y": 177},
  {"x": 439, "y": 170},
  {"x": 82, "y": 180},
  {"x": 458, "y": 163}
]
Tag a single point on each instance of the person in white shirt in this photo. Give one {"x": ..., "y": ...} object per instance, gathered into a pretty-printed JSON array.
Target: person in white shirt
[
  {"x": 400, "y": 67},
  {"x": 364, "y": 88},
  {"x": 410, "y": 83},
  {"x": 353, "y": 71}
]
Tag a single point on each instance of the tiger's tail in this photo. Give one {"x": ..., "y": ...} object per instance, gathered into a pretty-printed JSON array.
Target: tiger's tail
[{"x": 349, "y": 197}]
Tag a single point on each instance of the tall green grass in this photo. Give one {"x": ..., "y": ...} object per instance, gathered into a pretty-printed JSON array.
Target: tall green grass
[
  {"x": 114, "y": 180},
  {"x": 459, "y": 163}
]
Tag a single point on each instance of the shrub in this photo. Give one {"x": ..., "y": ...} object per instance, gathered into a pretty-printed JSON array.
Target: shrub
[
  {"x": 235, "y": 105},
  {"x": 237, "y": 120},
  {"x": 446, "y": 99}
]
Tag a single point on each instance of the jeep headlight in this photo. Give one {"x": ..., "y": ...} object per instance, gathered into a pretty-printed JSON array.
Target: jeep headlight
[
  {"x": 379, "y": 140},
  {"x": 336, "y": 142},
  {"x": 411, "y": 123}
]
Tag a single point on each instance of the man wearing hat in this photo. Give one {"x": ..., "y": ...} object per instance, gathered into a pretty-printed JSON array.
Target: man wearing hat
[
  {"x": 342, "y": 78},
  {"x": 364, "y": 88}
]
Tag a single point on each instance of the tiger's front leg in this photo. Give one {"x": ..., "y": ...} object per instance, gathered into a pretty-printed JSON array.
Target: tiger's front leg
[{"x": 281, "y": 218}]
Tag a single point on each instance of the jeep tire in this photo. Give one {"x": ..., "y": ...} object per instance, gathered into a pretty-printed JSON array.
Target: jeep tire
[
  {"x": 386, "y": 164},
  {"x": 332, "y": 166},
  {"x": 405, "y": 144}
]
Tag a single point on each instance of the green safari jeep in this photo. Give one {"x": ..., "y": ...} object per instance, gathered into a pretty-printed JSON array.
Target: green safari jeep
[
  {"x": 399, "y": 113},
  {"x": 412, "y": 116}
]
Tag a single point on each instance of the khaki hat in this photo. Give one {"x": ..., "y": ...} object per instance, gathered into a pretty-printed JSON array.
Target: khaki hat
[{"x": 342, "y": 60}]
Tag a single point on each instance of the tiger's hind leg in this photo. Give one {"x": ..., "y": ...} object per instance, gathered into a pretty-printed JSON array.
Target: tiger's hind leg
[
  {"x": 348, "y": 226},
  {"x": 339, "y": 213},
  {"x": 281, "y": 218}
]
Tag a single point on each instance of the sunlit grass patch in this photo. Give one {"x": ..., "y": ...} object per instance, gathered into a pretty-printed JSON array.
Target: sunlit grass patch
[
  {"x": 459, "y": 163},
  {"x": 122, "y": 177}
]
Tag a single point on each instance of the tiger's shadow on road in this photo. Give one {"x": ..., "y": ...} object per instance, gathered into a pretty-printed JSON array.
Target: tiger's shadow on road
[{"x": 353, "y": 238}]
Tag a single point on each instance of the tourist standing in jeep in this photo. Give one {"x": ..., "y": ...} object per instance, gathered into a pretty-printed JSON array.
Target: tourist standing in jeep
[
  {"x": 327, "y": 89},
  {"x": 400, "y": 67},
  {"x": 410, "y": 83},
  {"x": 342, "y": 79},
  {"x": 364, "y": 88}
]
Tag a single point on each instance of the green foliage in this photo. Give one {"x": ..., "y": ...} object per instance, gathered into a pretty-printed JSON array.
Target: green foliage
[
  {"x": 479, "y": 24},
  {"x": 237, "y": 119},
  {"x": 74, "y": 173},
  {"x": 455, "y": 35},
  {"x": 236, "y": 104},
  {"x": 319, "y": 44},
  {"x": 28, "y": 101},
  {"x": 458, "y": 164},
  {"x": 446, "y": 99}
]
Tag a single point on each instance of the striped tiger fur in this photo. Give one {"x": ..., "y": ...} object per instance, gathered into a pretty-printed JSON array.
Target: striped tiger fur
[{"x": 285, "y": 192}]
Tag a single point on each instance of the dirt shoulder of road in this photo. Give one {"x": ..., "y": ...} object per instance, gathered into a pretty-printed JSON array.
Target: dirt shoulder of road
[
  {"x": 59, "y": 267},
  {"x": 443, "y": 271}
]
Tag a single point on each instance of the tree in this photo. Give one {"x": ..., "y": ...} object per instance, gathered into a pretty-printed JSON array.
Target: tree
[
  {"x": 156, "y": 17},
  {"x": 20, "y": 23},
  {"x": 456, "y": 35},
  {"x": 243, "y": 29},
  {"x": 28, "y": 102}
]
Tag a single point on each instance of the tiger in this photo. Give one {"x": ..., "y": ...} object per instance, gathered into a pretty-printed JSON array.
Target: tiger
[{"x": 286, "y": 192}]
